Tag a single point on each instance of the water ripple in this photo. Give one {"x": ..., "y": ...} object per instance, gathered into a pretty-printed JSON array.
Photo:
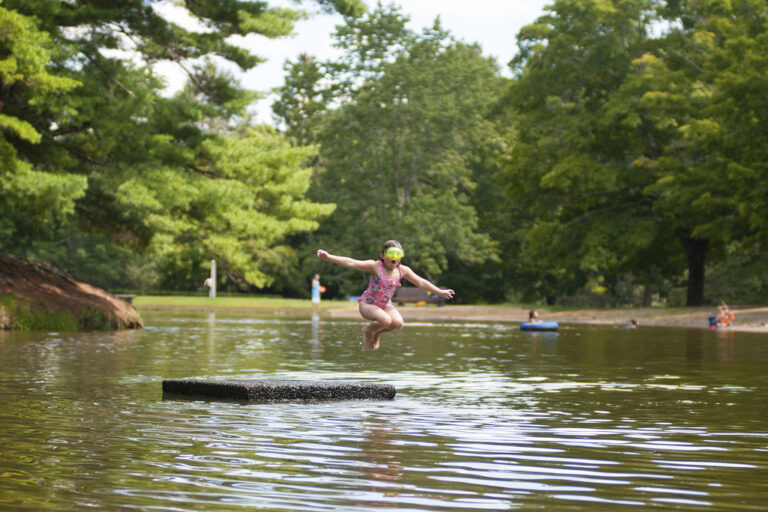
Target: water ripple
[{"x": 485, "y": 419}]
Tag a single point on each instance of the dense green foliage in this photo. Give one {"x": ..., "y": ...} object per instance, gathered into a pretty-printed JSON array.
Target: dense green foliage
[
  {"x": 626, "y": 159},
  {"x": 631, "y": 158},
  {"x": 100, "y": 168},
  {"x": 394, "y": 155}
]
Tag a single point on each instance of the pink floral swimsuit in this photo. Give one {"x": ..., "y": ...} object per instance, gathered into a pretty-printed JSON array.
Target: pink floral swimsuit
[{"x": 381, "y": 289}]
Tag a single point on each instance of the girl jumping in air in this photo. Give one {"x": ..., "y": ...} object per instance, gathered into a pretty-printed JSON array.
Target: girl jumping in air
[{"x": 376, "y": 302}]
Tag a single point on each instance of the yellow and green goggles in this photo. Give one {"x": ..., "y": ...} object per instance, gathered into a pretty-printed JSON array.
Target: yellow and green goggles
[{"x": 395, "y": 253}]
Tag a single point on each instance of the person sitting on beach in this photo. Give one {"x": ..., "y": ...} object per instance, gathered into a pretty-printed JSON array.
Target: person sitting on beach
[
  {"x": 724, "y": 315},
  {"x": 728, "y": 315}
]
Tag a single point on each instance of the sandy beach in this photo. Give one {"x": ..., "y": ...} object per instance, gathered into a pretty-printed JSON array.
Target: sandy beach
[{"x": 748, "y": 319}]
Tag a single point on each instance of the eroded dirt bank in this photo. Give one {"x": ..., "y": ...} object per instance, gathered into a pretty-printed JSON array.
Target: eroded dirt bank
[{"x": 39, "y": 288}]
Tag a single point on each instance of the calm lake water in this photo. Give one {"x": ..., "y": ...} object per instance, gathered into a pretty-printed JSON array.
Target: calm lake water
[{"x": 486, "y": 418}]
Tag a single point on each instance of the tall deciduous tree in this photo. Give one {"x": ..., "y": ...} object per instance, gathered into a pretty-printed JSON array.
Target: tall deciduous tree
[
  {"x": 396, "y": 151},
  {"x": 626, "y": 159},
  {"x": 583, "y": 207},
  {"x": 690, "y": 100}
]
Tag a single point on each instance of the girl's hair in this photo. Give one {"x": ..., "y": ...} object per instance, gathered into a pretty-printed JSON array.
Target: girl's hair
[{"x": 391, "y": 243}]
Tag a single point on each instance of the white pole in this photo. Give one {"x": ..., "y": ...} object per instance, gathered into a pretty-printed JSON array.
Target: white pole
[{"x": 212, "y": 290}]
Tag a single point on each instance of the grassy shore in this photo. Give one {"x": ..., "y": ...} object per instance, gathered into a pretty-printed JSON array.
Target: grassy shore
[{"x": 153, "y": 302}]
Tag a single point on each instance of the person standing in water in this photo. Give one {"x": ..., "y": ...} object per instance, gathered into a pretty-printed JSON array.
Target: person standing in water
[{"x": 385, "y": 275}]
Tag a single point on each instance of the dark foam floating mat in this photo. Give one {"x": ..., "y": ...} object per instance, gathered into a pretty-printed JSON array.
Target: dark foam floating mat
[{"x": 278, "y": 390}]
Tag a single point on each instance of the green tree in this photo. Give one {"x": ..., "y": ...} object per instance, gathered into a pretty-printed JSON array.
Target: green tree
[
  {"x": 579, "y": 205},
  {"x": 247, "y": 196},
  {"x": 302, "y": 99},
  {"x": 697, "y": 101},
  {"x": 34, "y": 200},
  {"x": 638, "y": 155},
  {"x": 169, "y": 178},
  {"x": 396, "y": 153}
]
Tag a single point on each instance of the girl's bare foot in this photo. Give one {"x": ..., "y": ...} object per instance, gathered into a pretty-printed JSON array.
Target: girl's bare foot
[
  {"x": 376, "y": 339},
  {"x": 368, "y": 341}
]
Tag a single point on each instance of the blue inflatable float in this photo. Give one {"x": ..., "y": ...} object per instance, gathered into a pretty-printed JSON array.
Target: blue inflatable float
[{"x": 539, "y": 326}]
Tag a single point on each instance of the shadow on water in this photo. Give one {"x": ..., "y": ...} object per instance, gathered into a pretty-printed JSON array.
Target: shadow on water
[{"x": 486, "y": 417}]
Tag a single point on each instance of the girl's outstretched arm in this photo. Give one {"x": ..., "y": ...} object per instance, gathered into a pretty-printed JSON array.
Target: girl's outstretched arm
[
  {"x": 365, "y": 265},
  {"x": 422, "y": 283}
]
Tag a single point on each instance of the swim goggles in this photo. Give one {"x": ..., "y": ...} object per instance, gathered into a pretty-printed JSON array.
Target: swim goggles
[{"x": 395, "y": 253}]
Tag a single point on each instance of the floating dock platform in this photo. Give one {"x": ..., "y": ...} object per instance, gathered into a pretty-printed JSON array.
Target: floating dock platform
[{"x": 277, "y": 390}]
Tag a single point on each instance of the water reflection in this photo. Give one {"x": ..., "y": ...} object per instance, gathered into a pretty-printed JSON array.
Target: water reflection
[
  {"x": 486, "y": 417},
  {"x": 317, "y": 336},
  {"x": 725, "y": 346}
]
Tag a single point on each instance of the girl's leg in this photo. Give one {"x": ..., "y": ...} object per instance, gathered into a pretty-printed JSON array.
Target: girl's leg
[
  {"x": 395, "y": 323},
  {"x": 379, "y": 318}
]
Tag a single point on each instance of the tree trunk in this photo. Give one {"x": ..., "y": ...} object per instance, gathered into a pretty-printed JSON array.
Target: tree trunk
[
  {"x": 696, "y": 254},
  {"x": 648, "y": 291}
]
